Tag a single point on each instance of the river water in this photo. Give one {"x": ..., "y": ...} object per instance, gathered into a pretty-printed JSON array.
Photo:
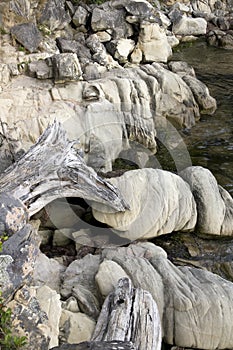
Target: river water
[{"x": 210, "y": 141}]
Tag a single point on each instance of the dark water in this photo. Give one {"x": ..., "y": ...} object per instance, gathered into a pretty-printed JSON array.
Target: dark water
[{"x": 210, "y": 142}]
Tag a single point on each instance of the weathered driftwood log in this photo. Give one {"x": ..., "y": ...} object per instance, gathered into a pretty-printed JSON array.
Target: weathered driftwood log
[
  {"x": 130, "y": 314},
  {"x": 53, "y": 168},
  {"x": 98, "y": 345}
]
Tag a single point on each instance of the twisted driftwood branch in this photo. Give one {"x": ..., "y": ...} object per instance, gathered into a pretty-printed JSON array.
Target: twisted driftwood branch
[{"x": 51, "y": 169}]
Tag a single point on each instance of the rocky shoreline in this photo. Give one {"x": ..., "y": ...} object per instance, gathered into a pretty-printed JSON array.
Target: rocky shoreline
[{"x": 104, "y": 73}]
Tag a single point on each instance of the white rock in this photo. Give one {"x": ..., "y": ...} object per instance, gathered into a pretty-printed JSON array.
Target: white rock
[
  {"x": 108, "y": 275},
  {"x": 123, "y": 49},
  {"x": 190, "y": 26},
  {"x": 76, "y": 327},
  {"x": 153, "y": 43},
  {"x": 50, "y": 303},
  {"x": 160, "y": 202}
]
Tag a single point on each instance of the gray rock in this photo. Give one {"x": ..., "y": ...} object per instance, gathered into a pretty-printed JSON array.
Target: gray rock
[
  {"x": 62, "y": 237},
  {"x": 66, "y": 67},
  {"x": 13, "y": 214},
  {"x": 79, "y": 281},
  {"x": 23, "y": 248},
  {"x": 40, "y": 70},
  {"x": 182, "y": 68},
  {"x": 80, "y": 16},
  {"x": 47, "y": 272},
  {"x": 28, "y": 35},
  {"x": 214, "y": 204},
  {"x": 200, "y": 91},
  {"x": 29, "y": 319},
  {"x": 54, "y": 15},
  {"x": 139, "y": 8},
  {"x": 75, "y": 46}
]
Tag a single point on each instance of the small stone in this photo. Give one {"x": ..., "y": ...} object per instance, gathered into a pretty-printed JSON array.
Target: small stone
[{"x": 28, "y": 35}]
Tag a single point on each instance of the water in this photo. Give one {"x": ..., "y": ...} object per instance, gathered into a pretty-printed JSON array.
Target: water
[{"x": 210, "y": 142}]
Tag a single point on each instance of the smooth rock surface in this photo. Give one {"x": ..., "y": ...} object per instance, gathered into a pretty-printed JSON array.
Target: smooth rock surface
[{"x": 160, "y": 202}]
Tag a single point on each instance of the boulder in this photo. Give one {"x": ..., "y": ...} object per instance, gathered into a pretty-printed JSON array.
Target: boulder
[
  {"x": 164, "y": 197},
  {"x": 54, "y": 15},
  {"x": 66, "y": 67},
  {"x": 80, "y": 16},
  {"x": 120, "y": 49},
  {"x": 200, "y": 91},
  {"x": 75, "y": 327},
  {"x": 153, "y": 43},
  {"x": 195, "y": 306},
  {"x": 28, "y": 35},
  {"x": 50, "y": 303},
  {"x": 214, "y": 204},
  {"x": 29, "y": 320},
  {"x": 189, "y": 26},
  {"x": 79, "y": 281}
]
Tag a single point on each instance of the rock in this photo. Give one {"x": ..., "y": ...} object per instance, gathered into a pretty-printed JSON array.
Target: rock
[
  {"x": 108, "y": 276},
  {"x": 29, "y": 320},
  {"x": 136, "y": 55},
  {"x": 153, "y": 43},
  {"x": 50, "y": 303},
  {"x": 60, "y": 214},
  {"x": 181, "y": 68},
  {"x": 66, "y": 67},
  {"x": 62, "y": 237},
  {"x": 121, "y": 49},
  {"x": 80, "y": 16},
  {"x": 139, "y": 8},
  {"x": 45, "y": 236},
  {"x": 40, "y": 70},
  {"x": 28, "y": 35},
  {"x": 200, "y": 91},
  {"x": 4, "y": 73},
  {"x": 226, "y": 41},
  {"x": 75, "y": 46},
  {"x": 23, "y": 248},
  {"x": 189, "y": 26},
  {"x": 47, "y": 272},
  {"x": 164, "y": 197},
  {"x": 107, "y": 17},
  {"x": 54, "y": 15},
  {"x": 214, "y": 204},
  {"x": 75, "y": 327},
  {"x": 13, "y": 214},
  {"x": 79, "y": 281},
  {"x": 103, "y": 36},
  {"x": 70, "y": 304},
  {"x": 186, "y": 293},
  {"x": 98, "y": 345}
]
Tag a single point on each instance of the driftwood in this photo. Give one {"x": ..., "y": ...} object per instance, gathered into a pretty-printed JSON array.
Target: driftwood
[
  {"x": 129, "y": 314},
  {"x": 53, "y": 168},
  {"x": 97, "y": 345}
]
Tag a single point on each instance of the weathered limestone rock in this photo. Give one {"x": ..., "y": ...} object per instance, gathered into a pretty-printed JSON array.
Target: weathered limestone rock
[
  {"x": 47, "y": 272},
  {"x": 28, "y": 35},
  {"x": 214, "y": 204},
  {"x": 121, "y": 49},
  {"x": 164, "y": 197},
  {"x": 50, "y": 303},
  {"x": 200, "y": 91},
  {"x": 153, "y": 43},
  {"x": 29, "y": 319},
  {"x": 79, "y": 281},
  {"x": 191, "y": 297},
  {"x": 54, "y": 15},
  {"x": 108, "y": 276},
  {"x": 75, "y": 327},
  {"x": 66, "y": 67},
  {"x": 189, "y": 26},
  {"x": 80, "y": 16},
  {"x": 13, "y": 214}
]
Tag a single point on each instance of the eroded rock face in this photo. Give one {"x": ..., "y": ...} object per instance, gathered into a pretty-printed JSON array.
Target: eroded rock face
[
  {"x": 214, "y": 204},
  {"x": 160, "y": 202}
]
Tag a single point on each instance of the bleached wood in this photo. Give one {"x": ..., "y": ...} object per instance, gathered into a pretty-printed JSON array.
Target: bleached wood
[
  {"x": 130, "y": 314},
  {"x": 53, "y": 168}
]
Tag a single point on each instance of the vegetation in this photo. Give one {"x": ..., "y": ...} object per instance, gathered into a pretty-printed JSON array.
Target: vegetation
[{"x": 8, "y": 341}]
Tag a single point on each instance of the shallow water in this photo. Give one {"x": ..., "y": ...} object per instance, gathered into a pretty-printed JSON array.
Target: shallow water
[{"x": 210, "y": 142}]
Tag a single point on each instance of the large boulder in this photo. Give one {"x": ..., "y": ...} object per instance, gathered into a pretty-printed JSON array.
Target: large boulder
[
  {"x": 160, "y": 202},
  {"x": 214, "y": 204},
  {"x": 189, "y": 26}
]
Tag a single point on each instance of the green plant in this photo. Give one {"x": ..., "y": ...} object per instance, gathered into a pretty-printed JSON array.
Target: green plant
[{"x": 8, "y": 341}]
